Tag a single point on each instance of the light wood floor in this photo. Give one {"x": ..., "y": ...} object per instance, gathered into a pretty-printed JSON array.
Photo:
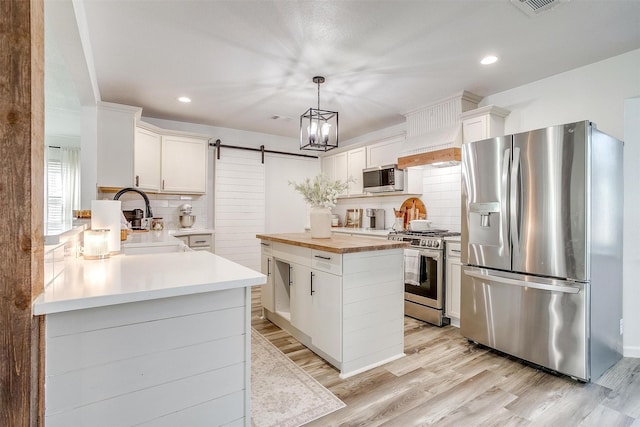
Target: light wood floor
[{"x": 446, "y": 381}]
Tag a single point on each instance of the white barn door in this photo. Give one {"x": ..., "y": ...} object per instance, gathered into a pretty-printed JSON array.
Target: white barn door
[{"x": 239, "y": 206}]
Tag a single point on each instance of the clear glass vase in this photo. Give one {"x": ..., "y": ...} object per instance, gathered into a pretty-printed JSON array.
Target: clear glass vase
[{"x": 320, "y": 221}]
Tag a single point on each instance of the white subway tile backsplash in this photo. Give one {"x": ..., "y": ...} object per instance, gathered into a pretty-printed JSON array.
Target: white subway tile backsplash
[
  {"x": 165, "y": 206},
  {"x": 158, "y": 203},
  {"x": 441, "y": 196},
  {"x": 450, "y": 179}
]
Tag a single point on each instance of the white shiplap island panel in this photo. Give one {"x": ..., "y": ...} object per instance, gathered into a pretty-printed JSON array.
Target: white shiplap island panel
[
  {"x": 373, "y": 326},
  {"x": 134, "y": 347}
]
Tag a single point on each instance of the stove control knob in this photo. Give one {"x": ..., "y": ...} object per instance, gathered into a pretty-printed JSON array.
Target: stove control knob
[
  {"x": 424, "y": 243},
  {"x": 428, "y": 243},
  {"x": 436, "y": 244}
]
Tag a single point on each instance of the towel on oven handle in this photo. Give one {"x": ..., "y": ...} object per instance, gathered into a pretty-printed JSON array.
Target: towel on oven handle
[{"x": 412, "y": 267}]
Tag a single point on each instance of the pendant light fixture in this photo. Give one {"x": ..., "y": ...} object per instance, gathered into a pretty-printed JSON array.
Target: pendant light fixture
[{"x": 318, "y": 128}]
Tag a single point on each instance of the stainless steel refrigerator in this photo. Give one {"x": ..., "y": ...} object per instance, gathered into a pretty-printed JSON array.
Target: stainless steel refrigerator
[{"x": 542, "y": 247}]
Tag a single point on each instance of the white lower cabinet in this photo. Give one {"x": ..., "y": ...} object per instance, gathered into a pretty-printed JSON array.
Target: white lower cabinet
[
  {"x": 326, "y": 328},
  {"x": 347, "y": 308},
  {"x": 266, "y": 268},
  {"x": 453, "y": 275},
  {"x": 302, "y": 316},
  {"x": 197, "y": 242}
]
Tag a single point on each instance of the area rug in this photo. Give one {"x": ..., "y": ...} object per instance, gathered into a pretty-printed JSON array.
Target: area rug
[{"x": 282, "y": 393}]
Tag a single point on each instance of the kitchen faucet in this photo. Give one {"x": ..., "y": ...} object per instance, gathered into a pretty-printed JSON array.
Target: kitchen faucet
[{"x": 149, "y": 214}]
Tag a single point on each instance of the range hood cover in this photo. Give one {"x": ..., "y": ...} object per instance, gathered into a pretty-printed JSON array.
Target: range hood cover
[
  {"x": 438, "y": 139},
  {"x": 447, "y": 137}
]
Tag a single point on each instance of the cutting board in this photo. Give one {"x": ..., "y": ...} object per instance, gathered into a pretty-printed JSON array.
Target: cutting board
[{"x": 411, "y": 209}]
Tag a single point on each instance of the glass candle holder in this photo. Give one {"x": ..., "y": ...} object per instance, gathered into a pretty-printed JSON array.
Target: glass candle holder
[
  {"x": 96, "y": 244},
  {"x": 157, "y": 224}
]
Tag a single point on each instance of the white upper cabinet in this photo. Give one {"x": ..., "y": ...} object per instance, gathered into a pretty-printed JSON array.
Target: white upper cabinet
[
  {"x": 384, "y": 153},
  {"x": 115, "y": 128},
  {"x": 482, "y": 123},
  {"x": 146, "y": 160},
  {"x": 356, "y": 161},
  {"x": 345, "y": 165},
  {"x": 136, "y": 154},
  {"x": 335, "y": 167},
  {"x": 184, "y": 164}
]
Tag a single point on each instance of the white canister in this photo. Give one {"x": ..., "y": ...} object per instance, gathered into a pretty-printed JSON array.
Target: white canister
[{"x": 106, "y": 214}]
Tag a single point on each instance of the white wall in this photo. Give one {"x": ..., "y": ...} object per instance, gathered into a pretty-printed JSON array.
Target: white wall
[
  {"x": 286, "y": 210},
  {"x": 596, "y": 92},
  {"x": 88, "y": 156}
]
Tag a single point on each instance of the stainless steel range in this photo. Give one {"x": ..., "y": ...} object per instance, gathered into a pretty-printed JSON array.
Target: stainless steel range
[{"x": 424, "y": 274}]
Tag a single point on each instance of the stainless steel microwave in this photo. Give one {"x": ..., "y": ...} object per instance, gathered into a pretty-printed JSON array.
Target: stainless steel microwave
[{"x": 383, "y": 178}]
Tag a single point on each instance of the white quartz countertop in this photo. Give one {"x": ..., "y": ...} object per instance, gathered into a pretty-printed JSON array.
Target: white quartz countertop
[
  {"x": 190, "y": 231},
  {"x": 131, "y": 278},
  {"x": 162, "y": 237},
  {"x": 151, "y": 238}
]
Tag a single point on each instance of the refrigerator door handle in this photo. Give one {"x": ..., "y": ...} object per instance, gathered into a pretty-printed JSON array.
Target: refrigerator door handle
[
  {"x": 504, "y": 193},
  {"x": 483, "y": 275},
  {"x": 514, "y": 201}
]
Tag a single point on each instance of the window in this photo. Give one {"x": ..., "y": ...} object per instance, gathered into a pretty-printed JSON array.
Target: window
[{"x": 62, "y": 188}]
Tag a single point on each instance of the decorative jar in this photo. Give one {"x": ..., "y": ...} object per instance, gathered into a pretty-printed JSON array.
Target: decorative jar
[{"x": 320, "y": 221}]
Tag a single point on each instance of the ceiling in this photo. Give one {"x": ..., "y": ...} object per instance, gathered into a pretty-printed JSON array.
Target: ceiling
[{"x": 245, "y": 62}]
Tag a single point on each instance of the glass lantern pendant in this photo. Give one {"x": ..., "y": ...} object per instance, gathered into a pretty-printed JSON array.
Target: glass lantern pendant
[{"x": 318, "y": 128}]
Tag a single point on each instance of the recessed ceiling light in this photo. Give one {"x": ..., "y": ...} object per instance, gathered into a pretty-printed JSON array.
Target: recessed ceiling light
[
  {"x": 489, "y": 60},
  {"x": 184, "y": 99}
]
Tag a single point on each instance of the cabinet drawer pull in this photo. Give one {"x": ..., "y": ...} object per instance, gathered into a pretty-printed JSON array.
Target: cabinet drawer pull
[
  {"x": 456, "y": 250},
  {"x": 290, "y": 282},
  {"x": 328, "y": 258},
  {"x": 163, "y": 184},
  {"x": 200, "y": 241},
  {"x": 312, "y": 291},
  {"x": 137, "y": 180},
  {"x": 268, "y": 266},
  {"x": 264, "y": 244}
]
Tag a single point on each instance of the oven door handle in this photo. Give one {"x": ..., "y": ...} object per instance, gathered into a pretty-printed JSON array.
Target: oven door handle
[{"x": 428, "y": 254}]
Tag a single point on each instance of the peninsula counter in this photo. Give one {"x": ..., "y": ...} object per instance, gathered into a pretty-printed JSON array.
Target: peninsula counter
[{"x": 158, "y": 339}]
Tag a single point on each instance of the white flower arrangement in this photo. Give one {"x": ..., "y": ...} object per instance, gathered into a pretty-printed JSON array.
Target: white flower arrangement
[{"x": 321, "y": 191}]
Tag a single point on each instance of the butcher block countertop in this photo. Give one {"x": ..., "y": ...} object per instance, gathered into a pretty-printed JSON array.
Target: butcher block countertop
[{"x": 337, "y": 243}]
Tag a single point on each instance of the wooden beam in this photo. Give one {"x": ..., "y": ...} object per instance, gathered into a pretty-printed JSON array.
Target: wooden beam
[
  {"x": 21, "y": 208},
  {"x": 446, "y": 155}
]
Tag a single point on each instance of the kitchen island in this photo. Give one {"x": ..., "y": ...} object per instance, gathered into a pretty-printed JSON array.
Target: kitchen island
[
  {"x": 342, "y": 297},
  {"x": 154, "y": 339}
]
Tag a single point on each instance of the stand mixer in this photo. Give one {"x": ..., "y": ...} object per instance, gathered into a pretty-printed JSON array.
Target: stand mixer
[{"x": 186, "y": 219}]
